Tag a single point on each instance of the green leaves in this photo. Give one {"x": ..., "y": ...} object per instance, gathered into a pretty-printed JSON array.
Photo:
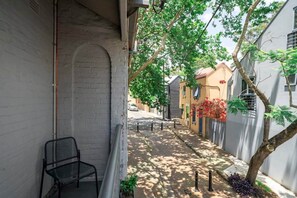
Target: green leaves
[
  {"x": 128, "y": 184},
  {"x": 280, "y": 114},
  {"x": 233, "y": 11},
  {"x": 149, "y": 86},
  {"x": 237, "y": 105},
  {"x": 289, "y": 66},
  {"x": 287, "y": 59}
]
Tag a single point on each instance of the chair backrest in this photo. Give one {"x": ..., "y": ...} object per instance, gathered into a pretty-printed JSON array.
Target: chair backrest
[{"x": 60, "y": 150}]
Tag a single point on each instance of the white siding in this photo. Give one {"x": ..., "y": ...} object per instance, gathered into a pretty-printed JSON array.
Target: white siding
[
  {"x": 25, "y": 95},
  {"x": 79, "y": 28}
]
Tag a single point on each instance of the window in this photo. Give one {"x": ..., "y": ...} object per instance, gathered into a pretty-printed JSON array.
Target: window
[
  {"x": 292, "y": 79},
  {"x": 292, "y": 37},
  {"x": 292, "y": 40},
  {"x": 184, "y": 91},
  {"x": 194, "y": 115},
  {"x": 187, "y": 111},
  {"x": 196, "y": 92},
  {"x": 182, "y": 111},
  {"x": 248, "y": 95},
  {"x": 245, "y": 89}
]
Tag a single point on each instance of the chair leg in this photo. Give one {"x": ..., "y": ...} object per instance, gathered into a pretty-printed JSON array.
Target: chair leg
[
  {"x": 97, "y": 191},
  {"x": 41, "y": 185},
  {"x": 78, "y": 167},
  {"x": 59, "y": 189}
]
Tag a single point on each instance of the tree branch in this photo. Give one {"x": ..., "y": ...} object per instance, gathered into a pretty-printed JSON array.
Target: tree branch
[
  {"x": 244, "y": 74},
  {"x": 160, "y": 49},
  {"x": 284, "y": 135},
  {"x": 238, "y": 65},
  {"x": 281, "y": 61},
  {"x": 260, "y": 81}
]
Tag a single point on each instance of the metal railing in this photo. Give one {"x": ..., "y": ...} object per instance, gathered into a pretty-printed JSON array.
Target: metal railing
[
  {"x": 292, "y": 40},
  {"x": 110, "y": 187},
  {"x": 250, "y": 99}
]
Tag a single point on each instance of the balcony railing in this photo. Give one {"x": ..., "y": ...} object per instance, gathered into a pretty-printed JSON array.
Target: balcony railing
[
  {"x": 292, "y": 40},
  {"x": 250, "y": 99},
  {"x": 110, "y": 187}
]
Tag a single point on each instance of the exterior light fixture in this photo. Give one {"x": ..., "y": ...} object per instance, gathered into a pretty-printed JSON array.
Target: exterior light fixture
[{"x": 222, "y": 81}]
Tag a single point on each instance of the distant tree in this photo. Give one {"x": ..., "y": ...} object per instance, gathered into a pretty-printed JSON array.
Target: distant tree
[
  {"x": 254, "y": 12},
  {"x": 174, "y": 39}
]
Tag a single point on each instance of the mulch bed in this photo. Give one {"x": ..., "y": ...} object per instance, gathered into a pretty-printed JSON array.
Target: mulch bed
[{"x": 263, "y": 193}]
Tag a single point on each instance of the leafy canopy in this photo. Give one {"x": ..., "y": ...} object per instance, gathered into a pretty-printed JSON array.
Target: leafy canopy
[
  {"x": 232, "y": 12},
  {"x": 186, "y": 44}
]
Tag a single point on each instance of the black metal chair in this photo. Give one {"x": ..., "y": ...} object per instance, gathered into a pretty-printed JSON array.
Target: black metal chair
[{"x": 62, "y": 162}]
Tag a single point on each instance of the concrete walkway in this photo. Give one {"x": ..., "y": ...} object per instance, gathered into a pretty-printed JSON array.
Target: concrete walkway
[{"x": 222, "y": 161}]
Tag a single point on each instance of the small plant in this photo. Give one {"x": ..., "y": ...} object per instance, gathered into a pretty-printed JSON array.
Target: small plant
[
  {"x": 128, "y": 184},
  {"x": 242, "y": 186}
]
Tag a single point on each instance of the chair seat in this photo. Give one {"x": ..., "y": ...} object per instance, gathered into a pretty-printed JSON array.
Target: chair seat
[{"x": 68, "y": 173}]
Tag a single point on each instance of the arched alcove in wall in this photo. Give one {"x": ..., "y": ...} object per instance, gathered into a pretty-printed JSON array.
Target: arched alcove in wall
[{"x": 91, "y": 104}]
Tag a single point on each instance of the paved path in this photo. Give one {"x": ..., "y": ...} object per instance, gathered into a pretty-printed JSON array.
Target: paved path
[
  {"x": 166, "y": 166},
  {"x": 166, "y": 161},
  {"x": 223, "y": 161}
]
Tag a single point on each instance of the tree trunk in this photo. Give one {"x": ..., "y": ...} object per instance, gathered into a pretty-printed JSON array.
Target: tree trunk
[
  {"x": 268, "y": 145},
  {"x": 256, "y": 161}
]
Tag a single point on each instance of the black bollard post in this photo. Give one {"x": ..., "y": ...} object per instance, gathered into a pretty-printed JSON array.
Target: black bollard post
[
  {"x": 152, "y": 126},
  {"x": 196, "y": 181},
  {"x": 210, "y": 181},
  {"x": 174, "y": 124},
  {"x": 161, "y": 126},
  {"x": 137, "y": 127}
]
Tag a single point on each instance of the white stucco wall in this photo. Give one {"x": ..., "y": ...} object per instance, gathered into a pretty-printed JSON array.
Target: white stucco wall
[
  {"x": 244, "y": 132},
  {"x": 25, "y": 95},
  {"x": 78, "y": 28}
]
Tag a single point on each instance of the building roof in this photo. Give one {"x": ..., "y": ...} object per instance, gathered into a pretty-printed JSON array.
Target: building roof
[
  {"x": 203, "y": 72},
  {"x": 170, "y": 80},
  {"x": 200, "y": 73}
]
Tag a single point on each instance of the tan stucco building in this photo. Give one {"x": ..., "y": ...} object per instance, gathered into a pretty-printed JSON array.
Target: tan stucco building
[{"x": 212, "y": 83}]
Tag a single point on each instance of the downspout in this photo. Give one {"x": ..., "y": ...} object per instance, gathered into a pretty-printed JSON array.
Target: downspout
[{"x": 55, "y": 67}]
